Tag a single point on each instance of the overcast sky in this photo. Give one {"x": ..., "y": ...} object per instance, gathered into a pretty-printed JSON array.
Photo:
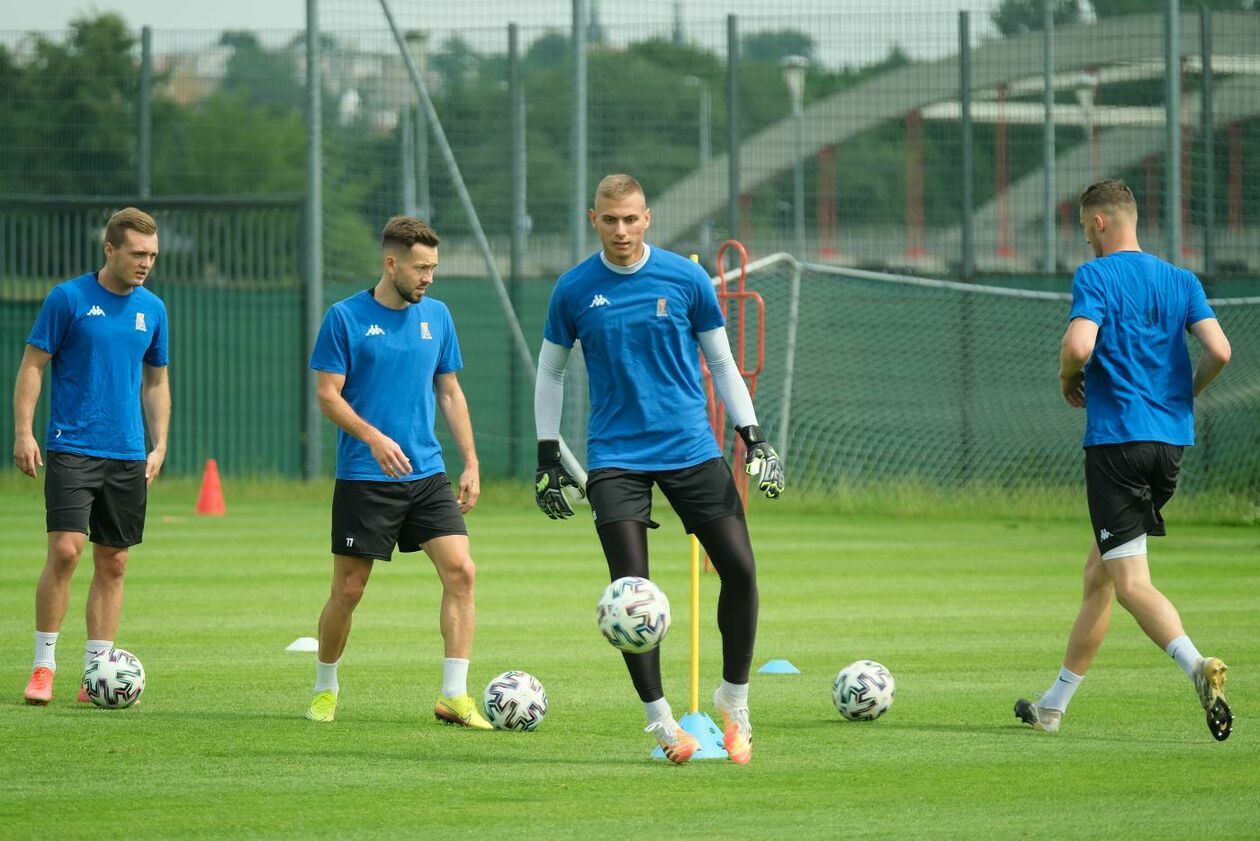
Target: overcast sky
[{"x": 869, "y": 27}]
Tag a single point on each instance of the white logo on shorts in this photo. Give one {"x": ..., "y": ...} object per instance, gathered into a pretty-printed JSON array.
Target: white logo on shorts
[
  {"x": 349, "y": 541},
  {"x": 1104, "y": 534}
]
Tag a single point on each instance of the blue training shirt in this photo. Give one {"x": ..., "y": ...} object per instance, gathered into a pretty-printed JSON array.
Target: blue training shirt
[
  {"x": 98, "y": 340},
  {"x": 1139, "y": 385},
  {"x": 389, "y": 359},
  {"x": 638, "y": 334}
]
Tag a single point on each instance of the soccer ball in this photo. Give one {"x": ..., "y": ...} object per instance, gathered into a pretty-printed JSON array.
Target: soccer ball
[
  {"x": 515, "y": 701},
  {"x": 114, "y": 679},
  {"x": 863, "y": 691},
  {"x": 633, "y": 614}
]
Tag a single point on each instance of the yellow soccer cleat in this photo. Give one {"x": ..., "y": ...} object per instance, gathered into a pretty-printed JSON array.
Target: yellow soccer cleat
[
  {"x": 1209, "y": 682},
  {"x": 676, "y": 743},
  {"x": 39, "y": 690},
  {"x": 323, "y": 706},
  {"x": 461, "y": 711}
]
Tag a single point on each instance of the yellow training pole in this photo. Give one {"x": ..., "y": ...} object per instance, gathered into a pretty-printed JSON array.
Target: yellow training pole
[{"x": 695, "y": 625}]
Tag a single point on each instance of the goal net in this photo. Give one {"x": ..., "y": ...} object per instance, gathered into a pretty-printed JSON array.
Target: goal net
[{"x": 877, "y": 378}]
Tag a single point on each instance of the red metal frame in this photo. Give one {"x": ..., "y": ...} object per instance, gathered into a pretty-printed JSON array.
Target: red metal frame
[{"x": 742, "y": 298}]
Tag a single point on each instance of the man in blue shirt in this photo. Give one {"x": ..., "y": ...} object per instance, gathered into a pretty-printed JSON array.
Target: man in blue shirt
[
  {"x": 106, "y": 337},
  {"x": 1124, "y": 360},
  {"x": 639, "y": 313},
  {"x": 384, "y": 360}
]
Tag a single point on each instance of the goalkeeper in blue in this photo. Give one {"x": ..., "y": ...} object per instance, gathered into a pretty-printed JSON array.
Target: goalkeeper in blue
[{"x": 639, "y": 313}]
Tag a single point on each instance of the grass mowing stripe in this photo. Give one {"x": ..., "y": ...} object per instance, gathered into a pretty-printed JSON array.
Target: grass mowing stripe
[{"x": 968, "y": 612}]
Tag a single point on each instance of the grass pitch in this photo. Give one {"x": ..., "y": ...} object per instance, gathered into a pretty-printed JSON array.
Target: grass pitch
[{"x": 968, "y": 611}]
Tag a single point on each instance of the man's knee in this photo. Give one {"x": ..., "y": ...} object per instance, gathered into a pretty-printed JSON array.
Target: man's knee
[
  {"x": 110, "y": 561},
  {"x": 459, "y": 575},
  {"x": 64, "y": 549}
]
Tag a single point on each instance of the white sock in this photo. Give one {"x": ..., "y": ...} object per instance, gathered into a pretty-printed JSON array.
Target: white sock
[
  {"x": 657, "y": 710},
  {"x": 454, "y": 677},
  {"x": 326, "y": 676},
  {"x": 735, "y": 693},
  {"x": 46, "y": 649},
  {"x": 1059, "y": 695},
  {"x": 94, "y": 648},
  {"x": 1186, "y": 655}
]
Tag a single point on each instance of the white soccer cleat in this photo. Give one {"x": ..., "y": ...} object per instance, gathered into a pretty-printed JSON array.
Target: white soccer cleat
[{"x": 1037, "y": 716}]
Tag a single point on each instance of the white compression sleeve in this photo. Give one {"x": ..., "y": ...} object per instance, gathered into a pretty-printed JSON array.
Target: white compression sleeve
[
  {"x": 726, "y": 377},
  {"x": 549, "y": 390}
]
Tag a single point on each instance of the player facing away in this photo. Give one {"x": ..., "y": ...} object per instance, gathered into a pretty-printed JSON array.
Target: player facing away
[
  {"x": 384, "y": 359},
  {"x": 1124, "y": 360},
  {"x": 639, "y": 313},
  {"x": 106, "y": 338}
]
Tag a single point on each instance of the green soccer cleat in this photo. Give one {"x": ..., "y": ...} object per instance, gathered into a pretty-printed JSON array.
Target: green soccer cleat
[
  {"x": 323, "y": 706},
  {"x": 461, "y": 711}
]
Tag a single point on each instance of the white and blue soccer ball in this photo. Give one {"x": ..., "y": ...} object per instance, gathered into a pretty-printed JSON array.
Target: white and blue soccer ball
[
  {"x": 114, "y": 679},
  {"x": 515, "y": 701},
  {"x": 863, "y": 691},
  {"x": 633, "y": 614}
]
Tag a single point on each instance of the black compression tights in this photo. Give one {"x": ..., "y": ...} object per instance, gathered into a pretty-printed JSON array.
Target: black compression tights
[{"x": 726, "y": 541}]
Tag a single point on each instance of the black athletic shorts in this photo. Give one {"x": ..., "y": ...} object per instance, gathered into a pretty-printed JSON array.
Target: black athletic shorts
[
  {"x": 698, "y": 494},
  {"x": 104, "y": 498},
  {"x": 1127, "y": 485},
  {"x": 370, "y": 518}
]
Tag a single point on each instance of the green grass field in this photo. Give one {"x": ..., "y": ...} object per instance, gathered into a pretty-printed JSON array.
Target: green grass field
[{"x": 969, "y": 611}]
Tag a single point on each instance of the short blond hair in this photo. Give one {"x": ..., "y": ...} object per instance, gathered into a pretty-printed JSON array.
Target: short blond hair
[
  {"x": 1109, "y": 195},
  {"x": 128, "y": 219},
  {"x": 618, "y": 186}
]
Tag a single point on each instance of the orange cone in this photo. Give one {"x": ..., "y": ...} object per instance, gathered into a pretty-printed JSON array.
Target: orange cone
[{"x": 210, "y": 500}]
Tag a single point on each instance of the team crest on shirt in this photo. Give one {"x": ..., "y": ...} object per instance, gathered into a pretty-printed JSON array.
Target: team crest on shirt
[
  {"x": 662, "y": 308},
  {"x": 424, "y": 330},
  {"x": 140, "y": 323}
]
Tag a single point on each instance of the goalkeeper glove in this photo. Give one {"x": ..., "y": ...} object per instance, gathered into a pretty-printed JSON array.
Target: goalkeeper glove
[
  {"x": 762, "y": 461},
  {"x": 550, "y": 480}
]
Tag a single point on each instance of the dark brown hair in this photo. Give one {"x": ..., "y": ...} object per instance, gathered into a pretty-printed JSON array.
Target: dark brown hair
[
  {"x": 402, "y": 232},
  {"x": 1111, "y": 194}
]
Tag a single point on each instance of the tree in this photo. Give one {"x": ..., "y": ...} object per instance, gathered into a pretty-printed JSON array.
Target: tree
[
  {"x": 74, "y": 111},
  {"x": 773, "y": 46},
  {"x": 1015, "y": 17},
  {"x": 265, "y": 77},
  {"x": 1116, "y": 8}
]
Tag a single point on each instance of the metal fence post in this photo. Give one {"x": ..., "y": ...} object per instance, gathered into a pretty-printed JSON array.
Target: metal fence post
[
  {"x": 1049, "y": 262},
  {"x": 407, "y": 158},
  {"x": 1172, "y": 124},
  {"x": 313, "y": 286},
  {"x": 964, "y": 98},
  {"x": 578, "y": 197},
  {"x": 144, "y": 150},
  {"x": 732, "y": 127},
  {"x": 519, "y": 224},
  {"x": 1208, "y": 130}
]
